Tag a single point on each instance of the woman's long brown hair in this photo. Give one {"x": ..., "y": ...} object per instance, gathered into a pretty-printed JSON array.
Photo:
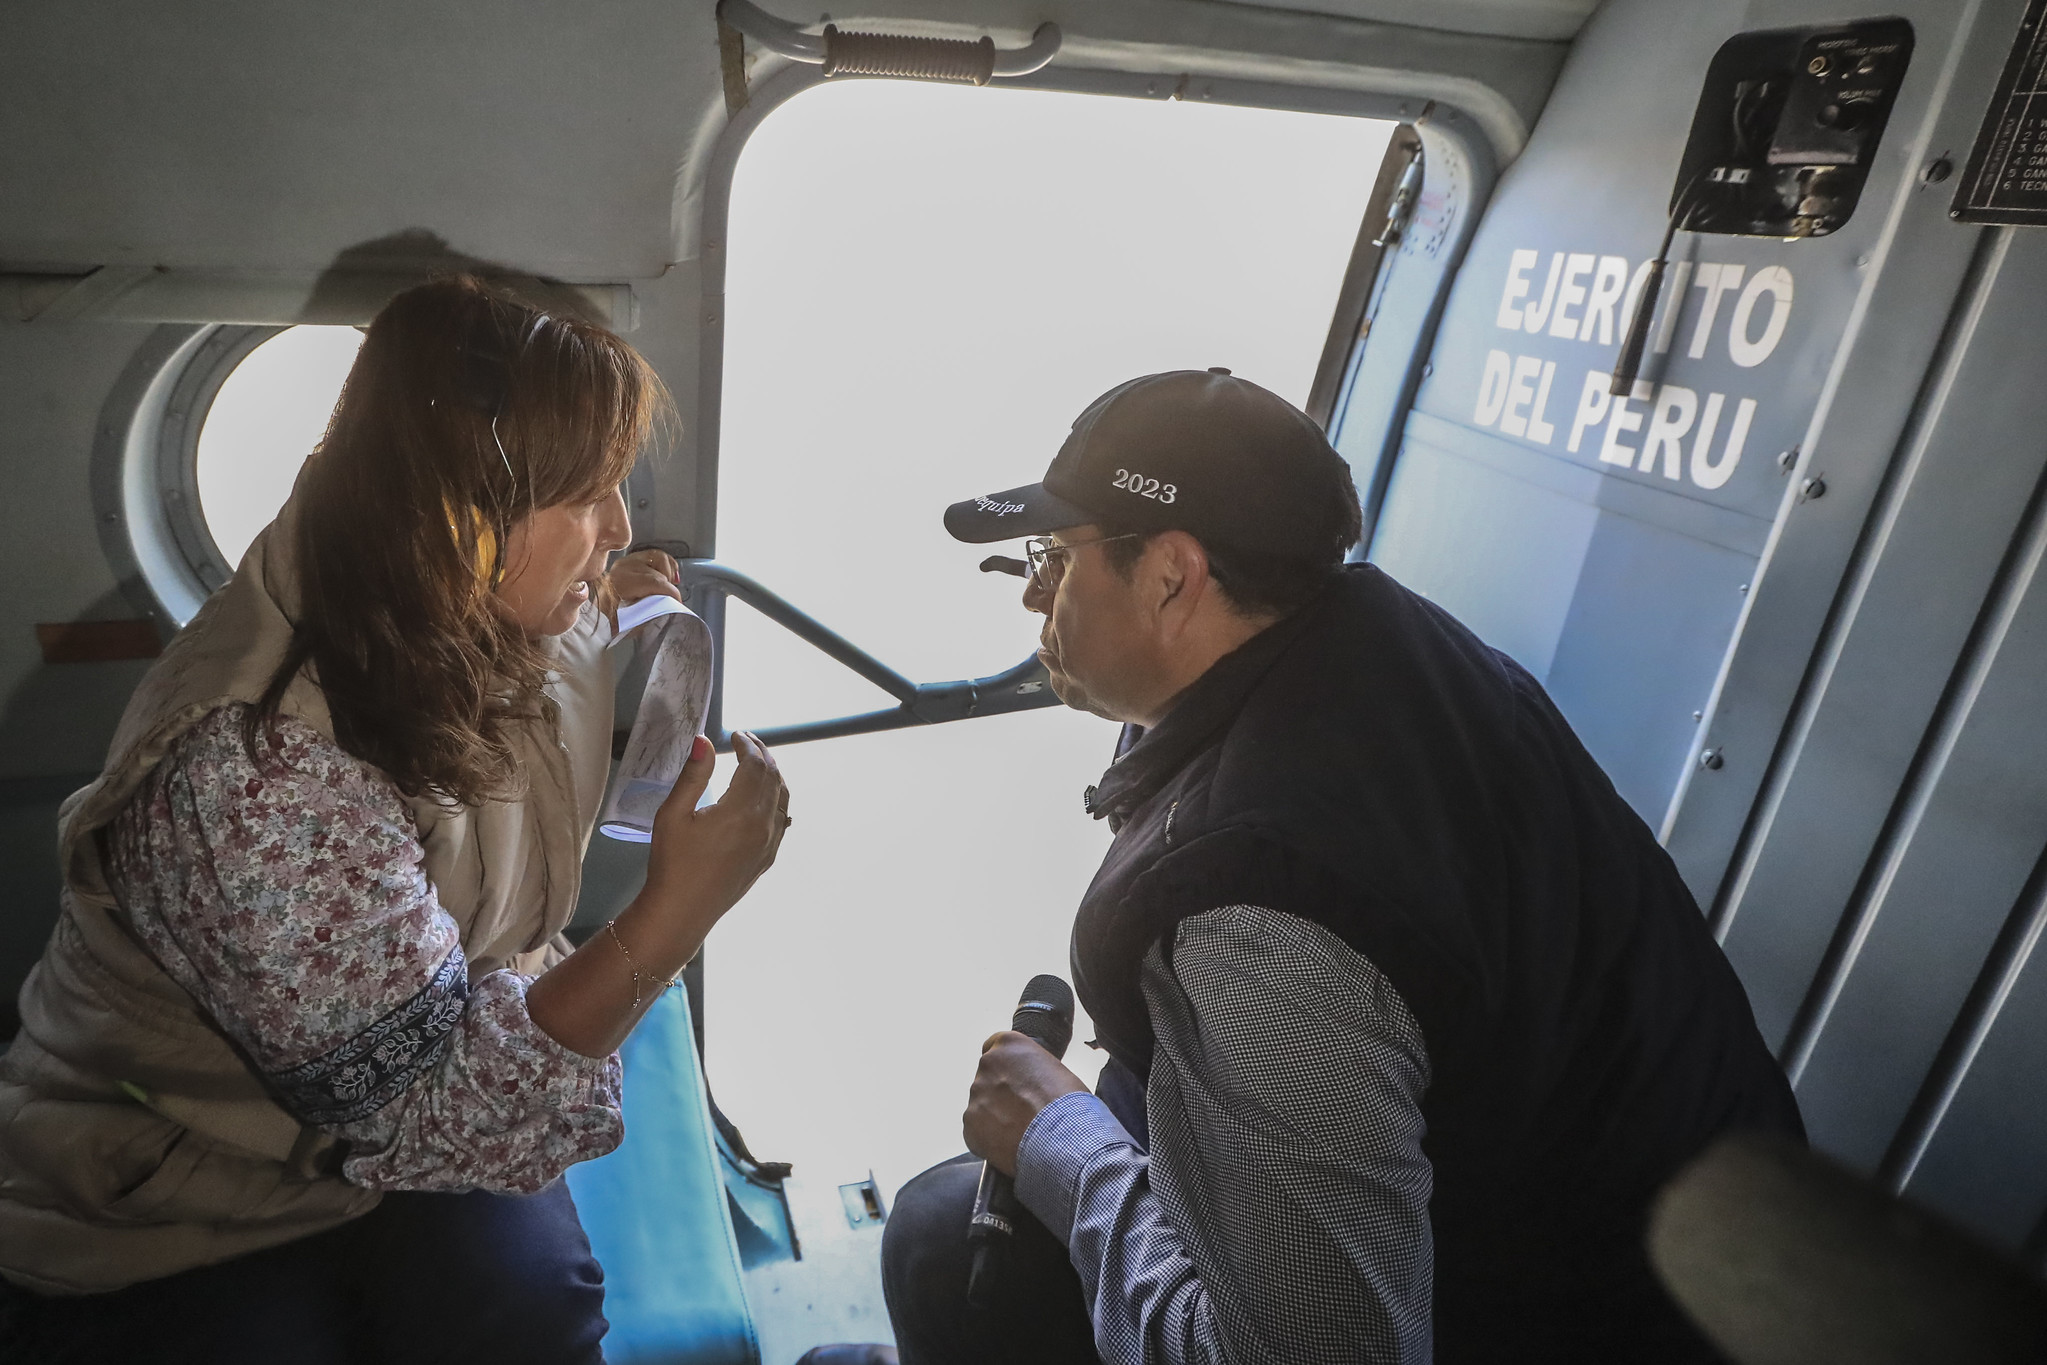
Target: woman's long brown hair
[{"x": 465, "y": 411}]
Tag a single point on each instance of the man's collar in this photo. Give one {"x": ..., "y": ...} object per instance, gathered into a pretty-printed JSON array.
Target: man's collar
[{"x": 1200, "y": 714}]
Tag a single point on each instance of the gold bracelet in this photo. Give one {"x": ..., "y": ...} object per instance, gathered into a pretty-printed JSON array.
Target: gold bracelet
[{"x": 611, "y": 928}]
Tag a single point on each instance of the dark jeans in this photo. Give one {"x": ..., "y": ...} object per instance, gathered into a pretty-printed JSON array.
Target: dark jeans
[
  {"x": 421, "y": 1278},
  {"x": 1039, "y": 1316}
]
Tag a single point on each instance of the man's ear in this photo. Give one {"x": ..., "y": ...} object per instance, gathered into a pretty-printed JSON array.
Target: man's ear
[{"x": 1180, "y": 572}]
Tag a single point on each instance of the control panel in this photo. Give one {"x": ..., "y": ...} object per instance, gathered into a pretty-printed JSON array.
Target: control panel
[{"x": 1786, "y": 128}]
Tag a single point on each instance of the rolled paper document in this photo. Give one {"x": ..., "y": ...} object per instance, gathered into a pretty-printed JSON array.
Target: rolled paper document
[{"x": 671, "y": 717}]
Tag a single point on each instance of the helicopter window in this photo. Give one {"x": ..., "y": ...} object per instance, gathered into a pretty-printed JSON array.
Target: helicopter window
[
  {"x": 924, "y": 286},
  {"x": 248, "y": 406}
]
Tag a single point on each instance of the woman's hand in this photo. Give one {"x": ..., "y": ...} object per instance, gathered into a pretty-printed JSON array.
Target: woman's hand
[
  {"x": 703, "y": 861},
  {"x": 699, "y": 865}
]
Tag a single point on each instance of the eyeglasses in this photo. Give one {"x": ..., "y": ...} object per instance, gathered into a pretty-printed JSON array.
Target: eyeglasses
[{"x": 1048, "y": 558}]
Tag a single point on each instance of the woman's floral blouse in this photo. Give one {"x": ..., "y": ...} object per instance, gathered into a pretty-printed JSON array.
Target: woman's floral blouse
[{"x": 286, "y": 894}]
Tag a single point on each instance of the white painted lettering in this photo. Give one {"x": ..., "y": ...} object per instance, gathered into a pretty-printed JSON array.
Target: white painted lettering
[
  {"x": 1593, "y": 402},
  {"x": 1713, "y": 475},
  {"x": 1571, "y": 295},
  {"x": 1715, "y": 280},
  {"x": 1669, "y": 420},
  {"x": 1517, "y": 289},
  {"x": 1539, "y": 430},
  {"x": 1775, "y": 281},
  {"x": 1607, "y": 287},
  {"x": 1536, "y": 314},
  {"x": 1621, "y": 421},
  {"x": 1520, "y": 393},
  {"x": 1709, "y": 422},
  {"x": 1492, "y": 389}
]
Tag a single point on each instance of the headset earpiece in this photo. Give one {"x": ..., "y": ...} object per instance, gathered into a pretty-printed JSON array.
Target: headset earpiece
[{"x": 486, "y": 538}]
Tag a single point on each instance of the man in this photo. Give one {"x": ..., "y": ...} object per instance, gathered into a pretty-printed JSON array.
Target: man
[{"x": 1409, "y": 1015}]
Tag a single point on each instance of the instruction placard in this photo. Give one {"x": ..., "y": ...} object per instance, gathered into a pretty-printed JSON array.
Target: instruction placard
[{"x": 2006, "y": 179}]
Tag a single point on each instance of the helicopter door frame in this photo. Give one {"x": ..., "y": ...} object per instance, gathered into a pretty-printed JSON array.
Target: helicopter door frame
[{"x": 1367, "y": 403}]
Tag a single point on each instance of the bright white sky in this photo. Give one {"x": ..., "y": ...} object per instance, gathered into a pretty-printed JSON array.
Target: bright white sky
[
  {"x": 266, "y": 419},
  {"x": 926, "y": 285}
]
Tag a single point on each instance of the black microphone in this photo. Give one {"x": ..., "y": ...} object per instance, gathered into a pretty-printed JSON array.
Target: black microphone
[{"x": 1044, "y": 1015}]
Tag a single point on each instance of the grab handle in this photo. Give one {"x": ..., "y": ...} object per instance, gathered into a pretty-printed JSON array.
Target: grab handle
[
  {"x": 847, "y": 53},
  {"x": 1025, "y": 687}
]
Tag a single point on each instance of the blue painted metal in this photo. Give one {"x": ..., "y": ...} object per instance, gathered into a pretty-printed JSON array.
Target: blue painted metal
[
  {"x": 1857, "y": 631},
  {"x": 759, "y": 1206},
  {"x": 656, "y": 1212}
]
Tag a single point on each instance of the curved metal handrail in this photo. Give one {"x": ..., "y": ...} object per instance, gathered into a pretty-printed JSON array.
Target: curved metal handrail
[{"x": 1025, "y": 687}]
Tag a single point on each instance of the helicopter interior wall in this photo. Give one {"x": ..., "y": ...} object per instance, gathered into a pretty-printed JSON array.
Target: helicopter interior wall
[
  {"x": 1552, "y": 19},
  {"x": 55, "y": 720},
  {"x": 1822, "y": 674},
  {"x": 259, "y": 139}
]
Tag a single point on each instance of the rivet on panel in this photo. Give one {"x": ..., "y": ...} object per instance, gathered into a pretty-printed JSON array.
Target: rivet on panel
[
  {"x": 1812, "y": 488},
  {"x": 1710, "y": 759}
]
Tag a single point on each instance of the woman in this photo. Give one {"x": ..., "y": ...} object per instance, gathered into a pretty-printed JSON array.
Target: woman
[{"x": 306, "y": 1056}]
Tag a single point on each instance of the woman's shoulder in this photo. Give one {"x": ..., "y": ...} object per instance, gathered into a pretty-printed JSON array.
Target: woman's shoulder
[
  {"x": 253, "y": 835},
  {"x": 282, "y": 758}
]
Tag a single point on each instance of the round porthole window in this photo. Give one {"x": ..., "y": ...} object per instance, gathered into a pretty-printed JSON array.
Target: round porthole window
[
  {"x": 268, "y": 412},
  {"x": 223, "y": 417},
  {"x": 249, "y": 405}
]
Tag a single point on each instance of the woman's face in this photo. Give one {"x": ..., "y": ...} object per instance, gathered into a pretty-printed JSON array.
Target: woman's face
[{"x": 554, "y": 555}]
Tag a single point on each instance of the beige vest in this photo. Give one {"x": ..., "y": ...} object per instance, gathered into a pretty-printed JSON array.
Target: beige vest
[{"x": 135, "y": 1142}]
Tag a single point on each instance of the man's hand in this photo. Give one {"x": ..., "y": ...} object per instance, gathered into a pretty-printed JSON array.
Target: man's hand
[
  {"x": 1016, "y": 1079},
  {"x": 645, "y": 573}
]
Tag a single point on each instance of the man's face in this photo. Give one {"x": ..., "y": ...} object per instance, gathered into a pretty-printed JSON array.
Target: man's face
[{"x": 1097, "y": 642}]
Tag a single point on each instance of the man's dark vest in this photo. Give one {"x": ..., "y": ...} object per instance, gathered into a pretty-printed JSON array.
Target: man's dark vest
[{"x": 1370, "y": 765}]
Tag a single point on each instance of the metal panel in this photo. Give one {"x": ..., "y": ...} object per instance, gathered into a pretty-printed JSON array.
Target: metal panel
[
  {"x": 1871, "y": 832},
  {"x": 1455, "y": 527},
  {"x": 1550, "y": 562},
  {"x": 1930, "y": 555},
  {"x": 263, "y": 137},
  {"x": 1889, "y": 340},
  {"x": 1978, "y": 1157},
  {"x": 574, "y": 143},
  {"x": 1967, "y": 827},
  {"x": 1640, "y": 722},
  {"x": 1541, "y": 296},
  {"x": 1522, "y": 18}
]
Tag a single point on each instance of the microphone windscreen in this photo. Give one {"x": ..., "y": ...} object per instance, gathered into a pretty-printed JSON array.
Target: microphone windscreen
[{"x": 1044, "y": 1014}]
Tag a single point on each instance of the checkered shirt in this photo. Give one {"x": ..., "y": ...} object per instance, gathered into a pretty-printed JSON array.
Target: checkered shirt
[{"x": 1282, "y": 1212}]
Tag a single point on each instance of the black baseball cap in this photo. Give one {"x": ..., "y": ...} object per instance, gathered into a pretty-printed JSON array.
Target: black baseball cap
[{"x": 1200, "y": 451}]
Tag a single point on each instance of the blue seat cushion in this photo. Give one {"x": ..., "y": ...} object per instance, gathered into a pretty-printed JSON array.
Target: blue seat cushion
[{"x": 655, "y": 1212}]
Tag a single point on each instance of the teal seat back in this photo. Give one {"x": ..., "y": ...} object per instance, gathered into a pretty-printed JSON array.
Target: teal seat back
[{"x": 655, "y": 1211}]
